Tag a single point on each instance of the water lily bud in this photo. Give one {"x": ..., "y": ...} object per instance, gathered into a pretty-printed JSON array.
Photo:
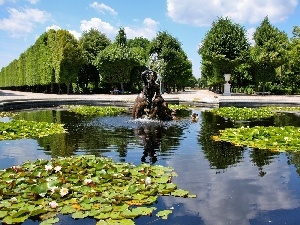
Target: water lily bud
[
  {"x": 87, "y": 181},
  {"x": 148, "y": 181},
  {"x": 53, "y": 205},
  {"x": 48, "y": 167}
]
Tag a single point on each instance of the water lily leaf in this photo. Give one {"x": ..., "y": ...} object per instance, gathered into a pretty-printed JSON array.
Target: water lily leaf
[
  {"x": 3, "y": 214},
  {"x": 67, "y": 209},
  {"x": 171, "y": 186},
  {"x": 143, "y": 210},
  {"x": 114, "y": 197},
  {"x": 19, "y": 213},
  {"x": 162, "y": 180},
  {"x": 180, "y": 193},
  {"x": 48, "y": 215},
  {"x": 40, "y": 189},
  {"x": 120, "y": 208},
  {"x": 102, "y": 216},
  {"x": 79, "y": 215},
  {"x": 119, "y": 222},
  {"x": 164, "y": 214},
  {"x": 133, "y": 189},
  {"x": 130, "y": 214},
  {"x": 50, "y": 221},
  {"x": 8, "y": 220}
]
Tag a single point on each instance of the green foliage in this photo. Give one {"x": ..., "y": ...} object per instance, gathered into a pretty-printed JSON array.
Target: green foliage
[
  {"x": 291, "y": 70},
  {"x": 92, "y": 42},
  {"x": 116, "y": 62},
  {"x": 83, "y": 186},
  {"x": 175, "y": 67},
  {"x": 17, "y": 129},
  {"x": 225, "y": 46},
  {"x": 272, "y": 138},
  {"x": 97, "y": 110},
  {"x": 235, "y": 113},
  {"x": 269, "y": 51}
]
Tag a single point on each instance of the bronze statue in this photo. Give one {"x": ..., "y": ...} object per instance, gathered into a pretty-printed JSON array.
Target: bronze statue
[{"x": 150, "y": 103}]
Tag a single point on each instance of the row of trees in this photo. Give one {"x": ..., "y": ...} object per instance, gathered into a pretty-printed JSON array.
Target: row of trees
[
  {"x": 58, "y": 62},
  {"x": 273, "y": 60}
]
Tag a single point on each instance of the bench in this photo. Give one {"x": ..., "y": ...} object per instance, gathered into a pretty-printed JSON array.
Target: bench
[{"x": 263, "y": 93}]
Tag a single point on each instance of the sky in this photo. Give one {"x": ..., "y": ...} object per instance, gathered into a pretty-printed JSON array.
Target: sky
[{"x": 23, "y": 21}]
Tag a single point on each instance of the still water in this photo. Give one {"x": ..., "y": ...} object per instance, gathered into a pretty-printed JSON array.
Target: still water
[{"x": 234, "y": 185}]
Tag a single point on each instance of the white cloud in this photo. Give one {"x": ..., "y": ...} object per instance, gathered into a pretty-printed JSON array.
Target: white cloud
[
  {"x": 75, "y": 33},
  {"x": 103, "y": 8},
  {"x": 250, "y": 33},
  {"x": 22, "y": 22},
  {"x": 100, "y": 25},
  {"x": 33, "y": 1},
  {"x": 236, "y": 197},
  {"x": 147, "y": 30},
  {"x": 54, "y": 27},
  {"x": 203, "y": 13}
]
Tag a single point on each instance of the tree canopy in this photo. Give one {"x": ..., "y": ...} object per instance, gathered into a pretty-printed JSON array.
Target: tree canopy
[{"x": 224, "y": 46}]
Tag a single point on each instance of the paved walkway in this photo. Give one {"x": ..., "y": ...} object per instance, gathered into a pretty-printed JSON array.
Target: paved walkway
[{"x": 198, "y": 97}]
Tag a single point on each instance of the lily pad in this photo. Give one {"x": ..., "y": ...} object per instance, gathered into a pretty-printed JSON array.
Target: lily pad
[
  {"x": 272, "y": 138},
  {"x": 115, "y": 194}
]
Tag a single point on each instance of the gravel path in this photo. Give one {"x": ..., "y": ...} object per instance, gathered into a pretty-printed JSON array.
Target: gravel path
[{"x": 196, "y": 96}]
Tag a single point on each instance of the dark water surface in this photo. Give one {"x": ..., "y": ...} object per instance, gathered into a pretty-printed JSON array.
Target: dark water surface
[{"x": 234, "y": 185}]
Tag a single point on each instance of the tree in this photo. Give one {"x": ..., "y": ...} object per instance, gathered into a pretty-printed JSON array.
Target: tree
[
  {"x": 67, "y": 58},
  {"x": 141, "y": 47},
  {"x": 117, "y": 60},
  {"x": 224, "y": 47},
  {"x": 291, "y": 76},
  {"x": 175, "y": 66},
  {"x": 269, "y": 52},
  {"x": 92, "y": 42}
]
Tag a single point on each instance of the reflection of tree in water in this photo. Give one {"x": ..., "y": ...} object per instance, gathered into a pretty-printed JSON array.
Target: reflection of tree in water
[
  {"x": 262, "y": 158},
  {"x": 294, "y": 159},
  {"x": 221, "y": 155}
]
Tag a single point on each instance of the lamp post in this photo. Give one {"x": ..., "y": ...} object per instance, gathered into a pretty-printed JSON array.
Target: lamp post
[{"x": 227, "y": 85}]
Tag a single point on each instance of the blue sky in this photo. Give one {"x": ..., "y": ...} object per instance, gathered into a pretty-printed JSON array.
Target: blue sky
[{"x": 23, "y": 21}]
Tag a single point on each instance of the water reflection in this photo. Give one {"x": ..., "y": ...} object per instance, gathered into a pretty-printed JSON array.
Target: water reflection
[{"x": 234, "y": 185}]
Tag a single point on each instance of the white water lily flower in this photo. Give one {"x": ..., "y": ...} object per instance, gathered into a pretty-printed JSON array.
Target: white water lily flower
[
  {"x": 57, "y": 168},
  {"x": 87, "y": 181},
  {"x": 63, "y": 192},
  {"x": 53, "y": 189},
  {"x": 48, "y": 167},
  {"x": 148, "y": 181},
  {"x": 53, "y": 205}
]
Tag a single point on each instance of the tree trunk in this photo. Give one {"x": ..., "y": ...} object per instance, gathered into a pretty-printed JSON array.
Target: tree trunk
[
  {"x": 68, "y": 88},
  {"x": 122, "y": 87}
]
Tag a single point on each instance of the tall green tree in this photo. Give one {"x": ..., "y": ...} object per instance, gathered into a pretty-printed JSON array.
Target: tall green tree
[
  {"x": 269, "y": 51},
  {"x": 224, "y": 47},
  {"x": 67, "y": 58},
  {"x": 176, "y": 68},
  {"x": 92, "y": 42},
  {"x": 291, "y": 75},
  {"x": 117, "y": 60},
  {"x": 140, "y": 46}
]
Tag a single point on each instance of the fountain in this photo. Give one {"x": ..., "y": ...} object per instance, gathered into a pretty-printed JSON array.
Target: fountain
[{"x": 150, "y": 103}]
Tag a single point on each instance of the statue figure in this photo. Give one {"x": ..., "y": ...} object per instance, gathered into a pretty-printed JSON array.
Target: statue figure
[{"x": 150, "y": 103}]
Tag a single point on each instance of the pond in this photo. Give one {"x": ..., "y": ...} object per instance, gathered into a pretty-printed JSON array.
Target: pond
[{"x": 234, "y": 185}]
